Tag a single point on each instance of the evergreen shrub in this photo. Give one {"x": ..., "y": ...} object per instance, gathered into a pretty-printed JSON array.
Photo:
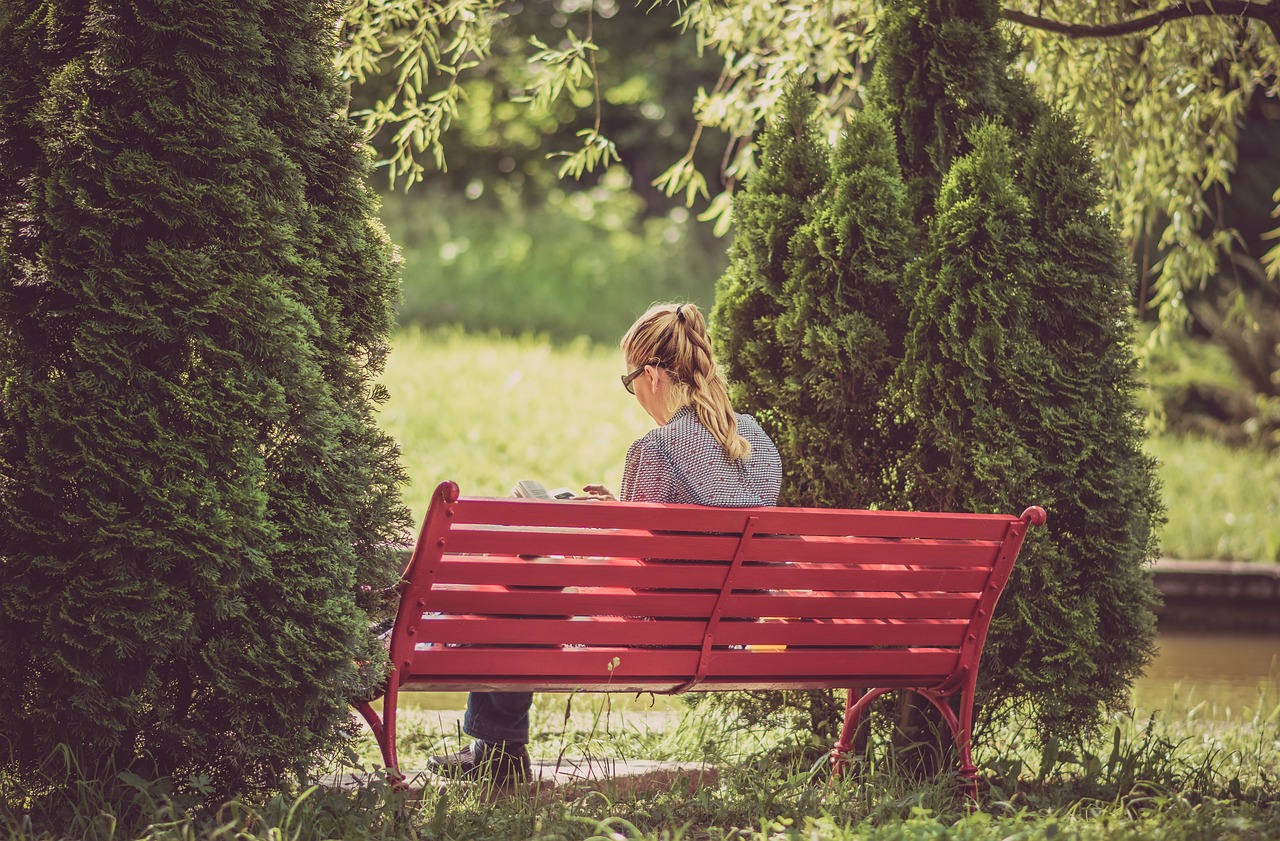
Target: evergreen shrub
[
  {"x": 749, "y": 297},
  {"x": 998, "y": 374},
  {"x": 195, "y": 299}
]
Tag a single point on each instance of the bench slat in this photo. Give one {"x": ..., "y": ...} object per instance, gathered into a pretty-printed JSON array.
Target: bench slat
[
  {"x": 489, "y": 630},
  {"x": 864, "y": 550},
  {"x": 693, "y": 518},
  {"x": 840, "y": 605},
  {"x": 662, "y": 686},
  {"x": 551, "y": 667},
  {"x": 630, "y": 572},
  {"x": 618, "y": 543}
]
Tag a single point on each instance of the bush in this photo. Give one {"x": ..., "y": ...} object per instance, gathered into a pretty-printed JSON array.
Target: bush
[
  {"x": 195, "y": 300},
  {"x": 1016, "y": 382}
]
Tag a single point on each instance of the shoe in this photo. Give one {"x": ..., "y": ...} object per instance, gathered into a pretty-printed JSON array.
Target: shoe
[{"x": 501, "y": 762}]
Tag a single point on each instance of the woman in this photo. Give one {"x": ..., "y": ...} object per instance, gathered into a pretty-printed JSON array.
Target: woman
[{"x": 701, "y": 453}]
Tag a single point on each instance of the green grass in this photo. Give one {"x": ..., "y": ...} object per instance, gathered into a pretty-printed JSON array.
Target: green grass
[
  {"x": 488, "y": 411},
  {"x": 1223, "y": 502},
  {"x": 1177, "y": 774}
]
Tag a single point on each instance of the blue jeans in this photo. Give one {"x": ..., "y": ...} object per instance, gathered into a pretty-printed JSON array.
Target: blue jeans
[{"x": 498, "y": 716}]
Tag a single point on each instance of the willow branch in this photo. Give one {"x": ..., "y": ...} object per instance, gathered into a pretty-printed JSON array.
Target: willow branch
[{"x": 1267, "y": 13}]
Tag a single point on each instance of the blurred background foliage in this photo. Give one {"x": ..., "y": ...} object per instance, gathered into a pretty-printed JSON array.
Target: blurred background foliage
[
  {"x": 496, "y": 239},
  {"x": 579, "y": 263}
]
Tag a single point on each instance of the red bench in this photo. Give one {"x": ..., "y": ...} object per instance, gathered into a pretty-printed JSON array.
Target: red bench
[{"x": 551, "y": 596}]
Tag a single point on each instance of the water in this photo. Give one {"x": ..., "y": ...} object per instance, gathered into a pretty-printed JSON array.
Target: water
[{"x": 1223, "y": 672}]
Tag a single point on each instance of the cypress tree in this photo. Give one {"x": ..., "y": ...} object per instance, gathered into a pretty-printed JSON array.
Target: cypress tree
[
  {"x": 771, "y": 207},
  {"x": 966, "y": 364},
  {"x": 969, "y": 347},
  {"x": 1083, "y": 596},
  {"x": 842, "y": 323},
  {"x": 1021, "y": 336},
  {"x": 1016, "y": 378},
  {"x": 193, "y": 306},
  {"x": 941, "y": 71},
  {"x": 837, "y": 339}
]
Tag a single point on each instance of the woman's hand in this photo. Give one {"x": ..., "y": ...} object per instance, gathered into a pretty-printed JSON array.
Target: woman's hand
[{"x": 599, "y": 492}]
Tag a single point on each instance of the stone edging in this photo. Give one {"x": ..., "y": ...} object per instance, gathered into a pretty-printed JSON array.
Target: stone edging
[{"x": 1218, "y": 595}]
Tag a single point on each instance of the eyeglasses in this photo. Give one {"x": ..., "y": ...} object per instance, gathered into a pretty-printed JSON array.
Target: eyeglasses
[{"x": 629, "y": 380}]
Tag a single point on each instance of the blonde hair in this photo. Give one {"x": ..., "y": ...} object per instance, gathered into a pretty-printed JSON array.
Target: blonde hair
[{"x": 676, "y": 335}]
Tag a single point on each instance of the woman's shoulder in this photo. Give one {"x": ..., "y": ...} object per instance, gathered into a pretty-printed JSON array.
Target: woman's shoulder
[
  {"x": 658, "y": 439},
  {"x": 760, "y": 441},
  {"x": 747, "y": 425}
]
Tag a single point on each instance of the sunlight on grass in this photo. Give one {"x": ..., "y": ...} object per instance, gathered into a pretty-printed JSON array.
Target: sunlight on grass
[
  {"x": 1186, "y": 771},
  {"x": 1222, "y": 503},
  {"x": 487, "y": 412}
]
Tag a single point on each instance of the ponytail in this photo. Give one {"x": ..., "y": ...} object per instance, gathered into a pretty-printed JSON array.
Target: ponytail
[{"x": 677, "y": 335}]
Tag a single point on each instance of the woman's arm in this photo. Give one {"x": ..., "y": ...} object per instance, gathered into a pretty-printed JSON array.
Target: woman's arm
[{"x": 649, "y": 473}]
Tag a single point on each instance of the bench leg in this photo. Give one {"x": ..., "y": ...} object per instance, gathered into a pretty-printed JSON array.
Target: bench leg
[
  {"x": 855, "y": 707},
  {"x": 389, "y": 723},
  {"x": 961, "y": 728},
  {"x": 964, "y": 739},
  {"x": 371, "y": 717},
  {"x": 384, "y": 731}
]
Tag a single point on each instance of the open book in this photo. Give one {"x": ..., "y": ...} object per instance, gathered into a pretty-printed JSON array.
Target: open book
[{"x": 533, "y": 489}]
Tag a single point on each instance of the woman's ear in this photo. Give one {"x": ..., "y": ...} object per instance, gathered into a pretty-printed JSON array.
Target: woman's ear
[{"x": 654, "y": 373}]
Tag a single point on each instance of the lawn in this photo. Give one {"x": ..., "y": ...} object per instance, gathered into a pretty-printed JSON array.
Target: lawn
[
  {"x": 1189, "y": 771},
  {"x": 1194, "y": 769},
  {"x": 488, "y": 411}
]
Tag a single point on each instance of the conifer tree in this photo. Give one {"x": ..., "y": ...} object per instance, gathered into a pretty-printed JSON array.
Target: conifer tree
[
  {"x": 1017, "y": 375},
  {"x": 1023, "y": 380},
  {"x": 841, "y": 326},
  {"x": 970, "y": 351},
  {"x": 744, "y": 321},
  {"x": 1082, "y": 597},
  {"x": 194, "y": 301},
  {"x": 837, "y": 339},
  {"x": 941, "y": 71}
]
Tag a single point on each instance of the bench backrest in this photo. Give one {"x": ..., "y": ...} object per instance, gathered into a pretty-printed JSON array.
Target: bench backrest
[{"x": 524, "y": 594}]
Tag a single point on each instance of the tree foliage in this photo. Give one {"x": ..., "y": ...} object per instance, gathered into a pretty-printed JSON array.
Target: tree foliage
[
  {"x": 545, "y": 86},
  {"x": 749, "y": 300},
  {"x": 960, "y": 330},
  {"x": 1123, "y": 69},
  {"x": 194, "y": 303},
  {"x": 842, "y": 324},
  {"x": 810, "y": 326}
]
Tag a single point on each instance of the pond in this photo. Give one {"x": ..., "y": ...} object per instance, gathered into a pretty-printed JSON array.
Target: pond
[{"x": 1224, "y": 672}]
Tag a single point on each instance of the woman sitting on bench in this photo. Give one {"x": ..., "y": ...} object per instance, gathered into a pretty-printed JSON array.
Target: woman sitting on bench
[{"x": 701, "y": 453}]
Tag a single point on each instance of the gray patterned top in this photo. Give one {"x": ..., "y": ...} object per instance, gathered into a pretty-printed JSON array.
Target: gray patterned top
[{"x": 682, "y": 462}]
